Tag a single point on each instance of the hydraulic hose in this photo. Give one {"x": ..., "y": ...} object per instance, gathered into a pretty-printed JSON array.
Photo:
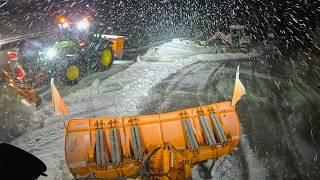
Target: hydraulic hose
[{"x": 144, "y": 162}]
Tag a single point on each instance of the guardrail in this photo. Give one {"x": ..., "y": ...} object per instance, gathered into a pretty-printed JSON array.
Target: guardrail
[{"x": 24, "y": 36}]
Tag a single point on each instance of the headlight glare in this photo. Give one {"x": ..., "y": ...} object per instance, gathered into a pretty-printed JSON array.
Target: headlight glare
[
  {"x": 51, "y": 53},
  {"x": 83, "y": 24},
  {"x": 65, "y": 25}
]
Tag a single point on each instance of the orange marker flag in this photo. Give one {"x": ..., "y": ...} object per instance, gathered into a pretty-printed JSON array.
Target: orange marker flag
[
  {"x": 57, "y": 101},
  {"x": 239, "y": 89}
]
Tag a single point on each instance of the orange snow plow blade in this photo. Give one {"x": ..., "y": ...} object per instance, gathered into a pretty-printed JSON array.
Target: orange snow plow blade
[
  {"x": 22, "y": 89},
  {"x": 117, "y": 44},
  {"x": 162, "y": 145}
]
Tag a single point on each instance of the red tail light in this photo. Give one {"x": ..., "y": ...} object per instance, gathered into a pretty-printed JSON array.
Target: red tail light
[
  {"x": 12, "y": 56},
  {"x": 82, "y": 43}
]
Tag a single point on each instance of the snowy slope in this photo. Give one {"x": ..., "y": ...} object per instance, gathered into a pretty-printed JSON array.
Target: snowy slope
[{"x": 118, "y": 95}]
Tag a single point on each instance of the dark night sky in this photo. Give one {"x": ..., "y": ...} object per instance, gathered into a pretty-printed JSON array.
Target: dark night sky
[{"x": 291, "y": 20}]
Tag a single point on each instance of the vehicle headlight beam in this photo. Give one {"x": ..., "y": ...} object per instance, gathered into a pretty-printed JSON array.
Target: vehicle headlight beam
[
  {"x": 83, "y": 24},
  {"x": 51, "y": 53}
]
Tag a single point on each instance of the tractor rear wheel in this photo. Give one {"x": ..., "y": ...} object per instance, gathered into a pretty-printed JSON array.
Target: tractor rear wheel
[{"x": 106, "y": 59}]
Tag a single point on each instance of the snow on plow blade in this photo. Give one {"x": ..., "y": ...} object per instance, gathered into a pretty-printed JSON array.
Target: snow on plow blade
[{"x": 164, "y": 145}]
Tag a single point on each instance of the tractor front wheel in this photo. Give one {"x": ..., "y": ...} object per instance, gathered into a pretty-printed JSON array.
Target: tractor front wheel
[{"x": 71, "y": 74}]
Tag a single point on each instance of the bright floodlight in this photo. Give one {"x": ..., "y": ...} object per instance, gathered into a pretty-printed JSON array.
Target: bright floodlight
[
  {"x": 65, "y": 25},
  {"x": 51, "y": 53},
  {"x": 83, "y": 24}
]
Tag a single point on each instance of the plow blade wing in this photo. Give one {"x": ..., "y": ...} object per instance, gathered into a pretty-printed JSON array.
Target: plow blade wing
[{"x": 170, "y": 143}]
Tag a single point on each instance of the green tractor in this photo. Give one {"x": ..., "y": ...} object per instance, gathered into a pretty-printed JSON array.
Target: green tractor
[{"x": 78, "y": 51}]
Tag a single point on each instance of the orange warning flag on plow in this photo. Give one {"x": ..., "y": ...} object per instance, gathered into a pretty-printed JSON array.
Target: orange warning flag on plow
[
  {"x": 57, "y": 101},
  {"x": 239, "y": 89}
]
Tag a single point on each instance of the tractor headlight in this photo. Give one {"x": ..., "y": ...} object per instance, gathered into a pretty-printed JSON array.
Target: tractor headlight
[
  {"x": 83, "y": 24},
  {"x": 65, "y": 25},
  {"x": 51, "y": 53}
]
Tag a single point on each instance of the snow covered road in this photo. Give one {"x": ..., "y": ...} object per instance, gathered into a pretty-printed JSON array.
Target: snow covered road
[{"x": 181, "y": 74}]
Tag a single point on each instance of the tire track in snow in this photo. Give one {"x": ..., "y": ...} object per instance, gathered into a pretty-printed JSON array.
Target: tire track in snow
[{"x": 175, "y": 84}]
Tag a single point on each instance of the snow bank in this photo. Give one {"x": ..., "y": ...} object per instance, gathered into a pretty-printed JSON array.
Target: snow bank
[
  {"x": 118, "y": 95},
  {"x": 184, "y": 50}
]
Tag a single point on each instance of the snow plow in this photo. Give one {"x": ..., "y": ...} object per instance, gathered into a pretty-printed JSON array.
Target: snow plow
[
  {"x": 161, "y": 145},
  {"x": 234, "y": 42},
  {"x": 22, "y": 88}
]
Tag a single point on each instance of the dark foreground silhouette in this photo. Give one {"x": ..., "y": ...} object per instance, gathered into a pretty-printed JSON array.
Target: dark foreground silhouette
[{"x": 16, "y": 163}]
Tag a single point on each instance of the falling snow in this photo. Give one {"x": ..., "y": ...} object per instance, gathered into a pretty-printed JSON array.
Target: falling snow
[{"x": 164, "y": 39}]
